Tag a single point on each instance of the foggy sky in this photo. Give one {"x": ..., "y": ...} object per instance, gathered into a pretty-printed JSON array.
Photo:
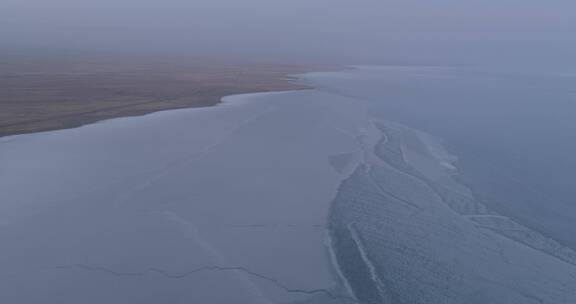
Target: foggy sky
[{"x": 352, "y": 31}]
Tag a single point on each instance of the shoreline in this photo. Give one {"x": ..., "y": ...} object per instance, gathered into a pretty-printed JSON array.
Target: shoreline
[
  {"x": 33, "y": 102},
  {"x": 226, "y": 101}
]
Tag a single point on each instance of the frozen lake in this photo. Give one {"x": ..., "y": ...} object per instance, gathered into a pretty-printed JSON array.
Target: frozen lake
[
  {"x": 333, "y": 195},
  {"x": 112, "y": 212}
]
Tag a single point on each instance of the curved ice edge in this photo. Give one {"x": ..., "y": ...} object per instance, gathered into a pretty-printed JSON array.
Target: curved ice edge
[
  {"x": 240, "y": 99},
  {"x": 367, "y": 287},
  {"x": 226, "y": 102}
]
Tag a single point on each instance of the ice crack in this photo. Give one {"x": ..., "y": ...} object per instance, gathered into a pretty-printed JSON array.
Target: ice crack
[{"x": 164, "y": 273}]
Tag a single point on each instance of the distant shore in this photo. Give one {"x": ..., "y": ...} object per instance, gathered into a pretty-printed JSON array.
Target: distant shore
[{"x": 43, "y": 94}]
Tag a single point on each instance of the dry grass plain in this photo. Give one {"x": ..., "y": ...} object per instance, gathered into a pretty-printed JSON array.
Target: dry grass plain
[{"x": 40, "y": 93}]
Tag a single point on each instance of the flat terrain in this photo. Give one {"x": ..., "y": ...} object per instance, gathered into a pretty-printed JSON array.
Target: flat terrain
[{"x": 55, "y": 92}]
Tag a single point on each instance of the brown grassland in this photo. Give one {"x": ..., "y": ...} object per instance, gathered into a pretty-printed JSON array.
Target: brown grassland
[{"x": 46, "y": 93}]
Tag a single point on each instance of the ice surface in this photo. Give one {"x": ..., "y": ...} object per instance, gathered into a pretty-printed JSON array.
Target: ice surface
[
  {"x": 125, "y": 211},
  {"x": 400, "y": 240},
  {"x": 294, "y": 197}
]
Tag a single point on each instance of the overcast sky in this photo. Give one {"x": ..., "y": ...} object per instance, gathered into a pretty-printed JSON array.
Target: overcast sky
[{"x": 361, "y": 31}]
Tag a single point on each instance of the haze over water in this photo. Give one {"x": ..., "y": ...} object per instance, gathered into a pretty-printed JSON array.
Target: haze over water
[{"x": 524, "y": 34}]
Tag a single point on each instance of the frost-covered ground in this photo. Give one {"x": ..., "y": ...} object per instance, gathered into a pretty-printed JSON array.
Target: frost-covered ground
[{"x": 302, "y": 197}]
